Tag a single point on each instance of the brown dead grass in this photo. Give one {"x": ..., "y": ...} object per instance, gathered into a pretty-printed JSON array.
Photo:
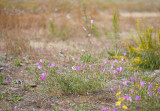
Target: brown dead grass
[{"x": 19, "y": 30}]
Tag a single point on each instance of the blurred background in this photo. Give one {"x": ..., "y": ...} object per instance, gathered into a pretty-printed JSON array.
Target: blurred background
[{"x": 26, "y": 25}]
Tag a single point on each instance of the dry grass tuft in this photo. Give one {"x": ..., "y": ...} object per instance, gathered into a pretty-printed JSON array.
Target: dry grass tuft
[{"x": 17, "y": 45}]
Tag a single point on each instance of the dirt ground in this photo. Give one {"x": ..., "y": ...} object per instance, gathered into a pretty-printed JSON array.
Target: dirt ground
[{"x": 32, "y": 29}]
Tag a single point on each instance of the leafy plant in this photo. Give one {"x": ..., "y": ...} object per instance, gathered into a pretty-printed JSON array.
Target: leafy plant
[
  {"x": 55, "y": 108},
  {"x": 2, "y": 79},
  {"x": 87, "y": 58},
  {"x": 115, "y": 35},
  {"x": 15, "y": 98},
  {"x": 1, "y": 96},
  {"x": 115, "y": 29},
  {"x": 115, "y": 24},
  {"x": 95, "y": 30},
  {"x": 81, "y": 108},
  {"x": 52, "y": 28},
  {"x": 63, "y": 34},
  {"x": 17, "y": 63},
  {"x": 146, "y": 52}
]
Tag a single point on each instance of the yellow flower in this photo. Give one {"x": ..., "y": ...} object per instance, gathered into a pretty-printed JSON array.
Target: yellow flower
[
  {"x": 156, "y": 85},
  {"x": 156, "y": 52},
  {"x": 118, "y": 93},
  {"x": 136, "y": 85},
  {"x": 121, "y": 99},
  {"x": 124, "y": 107},
  {"x": 118, "y": 103},
  {"x": 137, "y": 60}
]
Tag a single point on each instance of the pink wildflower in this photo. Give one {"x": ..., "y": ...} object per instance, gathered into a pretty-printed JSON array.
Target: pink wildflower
[
  {"x": 53, "y": 64},
  {"x": 142, "y": 83},
  {"x": 78, "y": 68},
  {"x": 115, "y": 72},
  {"x": 105, "y": 109},
  {"x": 39, "y": 67},
  {"x": 124, "y": 53},
  {"x": 150, "y": 86},
  {"x": 132, "y": 79},
  {"x": 84, "y": 67},
  {"x": 43, "y": 76},
  {"x": 150, "y": 94},
  {"x": 92, "y": 21},
  {"x": 106, "y": 62},
  {"x": 6, "y": 81},
  {"x": 121, "y": 69},
  {"x": 137, "y": 98},
  {"x": 41, "y": 60},
  {"x": 84, "y": 28},
  {"x": 132, "y": 91},
  {"x": 124, "y": 82},
  {"x": 127, "y": 97},
  {"x": 102, "y": 69}
]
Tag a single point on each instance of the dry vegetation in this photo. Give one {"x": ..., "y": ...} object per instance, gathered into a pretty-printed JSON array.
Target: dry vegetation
[{"x": 53, "y": 30}]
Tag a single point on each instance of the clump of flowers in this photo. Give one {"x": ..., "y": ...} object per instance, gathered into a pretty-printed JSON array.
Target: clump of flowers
[{"x": 139, "y": 96}]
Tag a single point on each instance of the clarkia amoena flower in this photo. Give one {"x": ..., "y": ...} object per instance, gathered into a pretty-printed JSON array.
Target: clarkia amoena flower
[
  {"x": 84, "y": 28},
  {"x": 124, "y": 82},
  {"x": 90, "y": 65},
  {"x": 41, "y": 60},
  {"x": 118, "y": 69},
  {"x": 150, "y": 94},
  {"x": 121, "y": 69},
  {"x": 102, "y": 69},
  {"x": 132, "y": 79},
  {"x": 150, "y": 86},
  {"x": 124, "y": 53},
  {"x": 73, "y": 58},
  {"x": 142, "y": 83},
  {"x": 38, "y": 63},
  {"x": 84, "y": 67},
  {"x": 78, "y": 68},
  {"x": 105, "y": 109},
  {"x": 158, "y": 90},
  {"x": 111, "y": 89},
  {"x": 122, "y": 59},
  {"x": 115, "y": 72},
  {"x": 138, "y": 107},
  {"x": 109, "y": 70},
  {"x": 132, "y": 91},
  {"x": 115, "y": 60},
  {"x": 6, "y": 81},
  {"x": 89, "y": 35},
  {"x": 43, "y": 76},
  {"x": 106, "y": 62},
  {"x": 112, "y": 66},
  {"x": 39, "y": 67},
  {"x": 137, "y": 98},
  {"x": 49, "y": 64},
  {"x": 92, "y": 21},
  {"x": 114, "y": 109},
  {"x": 114, "y": 88},
  {"x": 53, "y": 64},
  {"x": 127, "y": 97}
]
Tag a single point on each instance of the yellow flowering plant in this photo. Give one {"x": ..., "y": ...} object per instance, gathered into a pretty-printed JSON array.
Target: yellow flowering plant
[{"x": 145, "y": 53}]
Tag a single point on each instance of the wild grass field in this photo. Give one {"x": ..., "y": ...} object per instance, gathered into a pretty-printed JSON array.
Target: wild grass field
[{"x": 79, "y": 55}]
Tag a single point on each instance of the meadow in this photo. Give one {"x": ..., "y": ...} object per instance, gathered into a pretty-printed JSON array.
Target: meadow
[{"x": 79, "y": 55}]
